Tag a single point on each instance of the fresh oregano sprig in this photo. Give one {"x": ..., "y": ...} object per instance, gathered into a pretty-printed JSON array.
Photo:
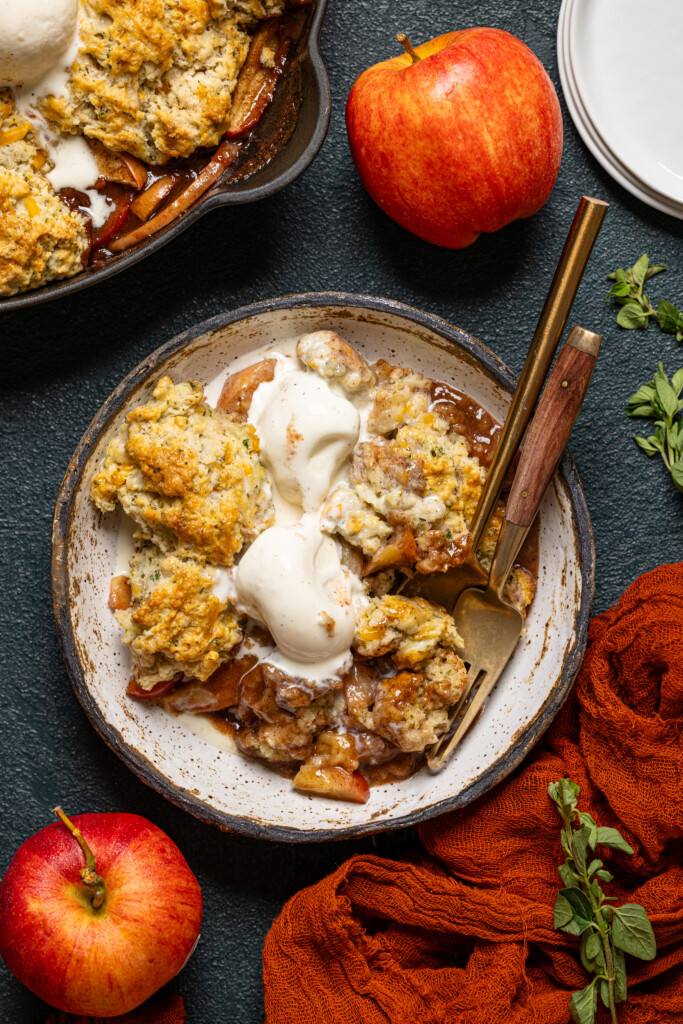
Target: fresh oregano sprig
[
  {"x": 636, "y": 308},
  {"x": 660, "y": 400},
  {"x": 605, "y": 932}
]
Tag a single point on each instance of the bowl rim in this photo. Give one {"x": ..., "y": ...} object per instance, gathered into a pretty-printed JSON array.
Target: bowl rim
[
  {"x": 212, "y": 200},
  {"x": 61, "y": 529}
]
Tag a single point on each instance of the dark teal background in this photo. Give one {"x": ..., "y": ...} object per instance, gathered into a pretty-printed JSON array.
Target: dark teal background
[{"x": 61, "y": 360}]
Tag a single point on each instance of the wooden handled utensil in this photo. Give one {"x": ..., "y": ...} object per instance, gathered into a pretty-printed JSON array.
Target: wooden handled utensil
[
  {"x": 444, "y": 587},
  {"x": 488, "y": 625}
]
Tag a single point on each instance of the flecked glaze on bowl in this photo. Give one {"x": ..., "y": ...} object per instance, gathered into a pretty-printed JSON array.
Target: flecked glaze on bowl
[
  {"x": 219, "y": 786},
  {"x": 279, "y": 151}
]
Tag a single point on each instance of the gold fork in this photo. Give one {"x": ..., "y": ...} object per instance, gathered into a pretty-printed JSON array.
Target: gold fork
[
  {"x": 443, "y": 588},
  {"x": 489, "y": 626}
]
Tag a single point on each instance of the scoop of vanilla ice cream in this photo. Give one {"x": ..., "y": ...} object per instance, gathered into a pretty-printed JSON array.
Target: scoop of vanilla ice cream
[
  {"x": 291, "y": 579},
  {"x": 33, "y": 34},
  {"x": 306, "y": 432}
]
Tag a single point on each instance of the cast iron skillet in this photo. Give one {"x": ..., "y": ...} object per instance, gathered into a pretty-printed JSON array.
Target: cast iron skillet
[
  {"x": 62, "y": 584},
  {"x": 285, "y": 142}
]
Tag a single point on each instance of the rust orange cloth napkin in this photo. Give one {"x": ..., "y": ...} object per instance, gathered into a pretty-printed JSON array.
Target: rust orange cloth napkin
[{"x": 462, "y": 932}]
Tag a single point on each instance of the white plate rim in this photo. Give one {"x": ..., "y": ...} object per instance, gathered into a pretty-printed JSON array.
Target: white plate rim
[{"x": 589, "y": 133}]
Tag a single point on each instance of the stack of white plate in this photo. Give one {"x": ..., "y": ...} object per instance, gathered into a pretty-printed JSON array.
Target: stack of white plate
[{"x": 621, "y": 67}]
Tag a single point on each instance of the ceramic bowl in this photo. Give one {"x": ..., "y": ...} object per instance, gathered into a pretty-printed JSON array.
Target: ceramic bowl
[
  {"x": 220, "y": 786},
  {"x": 283, "y": 144}
]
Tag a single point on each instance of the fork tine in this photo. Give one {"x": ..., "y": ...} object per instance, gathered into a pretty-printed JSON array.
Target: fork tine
[
  {"x": 484, "y": 689},
  {"x": 434, "y": 761}
]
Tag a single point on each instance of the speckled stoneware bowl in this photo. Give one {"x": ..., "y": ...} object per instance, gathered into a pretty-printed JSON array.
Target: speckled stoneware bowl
[
  {"x": 283, "y": 144},
  {"x": 220, "y": 786}
]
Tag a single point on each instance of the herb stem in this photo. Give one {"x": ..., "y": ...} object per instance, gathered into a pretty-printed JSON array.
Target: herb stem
[
  {"x": 609, "y": 962},
  {"x": 610, "y": 975}
]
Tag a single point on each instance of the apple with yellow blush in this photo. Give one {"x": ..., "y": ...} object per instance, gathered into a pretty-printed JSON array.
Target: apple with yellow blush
[{"x": 458, "y": 136}]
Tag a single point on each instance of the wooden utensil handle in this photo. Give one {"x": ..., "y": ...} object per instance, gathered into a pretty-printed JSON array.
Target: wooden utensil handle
[{"x": 552, "y": 424}]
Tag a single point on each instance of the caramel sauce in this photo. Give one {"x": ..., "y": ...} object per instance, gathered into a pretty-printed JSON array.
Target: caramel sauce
[
  {"x": 401, "y": 767},
  {"x": 221, "y": 723},
  {"x": 468, "y": 418}
]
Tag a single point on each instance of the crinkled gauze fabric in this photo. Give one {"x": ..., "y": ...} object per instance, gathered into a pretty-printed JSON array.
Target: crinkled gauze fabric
[{"x": 462, "y": 932}]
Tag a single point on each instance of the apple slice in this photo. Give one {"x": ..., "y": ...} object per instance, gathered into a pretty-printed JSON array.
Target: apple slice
[
  {"x": 120, "y": 596},
  {"x": 122, "y": 198},
  {"x": 262, "y": 70},
  {"x": 400, "y": 550},
  {"x": 118, "y": 167},
  {"x": 335, "y": 783},
  {"x": 144, "y": 204},
  {"x": 239, "y": 388},
  {"x": 158, "y": 690},
  {"x": 216, "y": 693},
  {"x": 224, "y": 156}
]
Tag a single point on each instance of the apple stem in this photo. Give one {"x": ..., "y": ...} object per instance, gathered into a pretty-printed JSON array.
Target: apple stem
[
  {"x": 91, "y": 880},
  {"x": 408, "y": 46}
]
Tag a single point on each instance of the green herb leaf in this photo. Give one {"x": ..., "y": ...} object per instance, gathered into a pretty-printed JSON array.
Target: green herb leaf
[
  {"x": 612, "y": 838},
  {"x": 646, "y": 411},
  {"x": 565, "y": 794},
  {"x": 618, "y": 290},
  {"x": 588, "y": 821},
  {"x": 619, "y": 962},
  {"x": 677, "y": 474},
  {"x": 564, "y": 912},
  {"x": 632, "y": 931},
  {"x": 647, "y": 444},
  {"x": 567, "y": 876},
  {"x": 632, "y": 316},
  {"x": 660, "y": 400},
  {"x": 591, "y": 952},
  {"x": 581, "y": 907},
  {"x": 582, "y": 1005},
  {"x": 644, "y": 396},
  {"x": 593, "y": 945},
  {"x": 666, "y": 394},
  {"x": 636, "y": 308},
  {"x": 639, "y": 270},
  {"x": 668, "y": 317},
  {"x": 579, "y": 846}
]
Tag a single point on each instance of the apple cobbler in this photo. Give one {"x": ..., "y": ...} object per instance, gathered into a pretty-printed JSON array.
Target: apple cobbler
[
  {"x": 274, "y": 535},
  {"x": 147, "y": 107}
]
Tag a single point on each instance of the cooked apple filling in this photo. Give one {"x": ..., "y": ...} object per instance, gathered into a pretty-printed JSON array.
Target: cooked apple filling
[
  {"x": 143, "y": 84},
  {"x": 274, "y": 534}
]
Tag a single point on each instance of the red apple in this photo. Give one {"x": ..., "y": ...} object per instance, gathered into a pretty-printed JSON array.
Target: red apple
[
  {"x": 463, "y": 136},
  {"x": 96, "y": 921}
]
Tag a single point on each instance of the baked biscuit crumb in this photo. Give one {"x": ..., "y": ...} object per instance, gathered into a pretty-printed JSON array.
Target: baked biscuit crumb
[
  {"x": 155, "y": 78},
  {"x": 40, "y": 239}
]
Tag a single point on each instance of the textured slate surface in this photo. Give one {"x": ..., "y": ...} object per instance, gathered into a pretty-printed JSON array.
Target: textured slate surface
[{"x": 61, "y": 361}]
